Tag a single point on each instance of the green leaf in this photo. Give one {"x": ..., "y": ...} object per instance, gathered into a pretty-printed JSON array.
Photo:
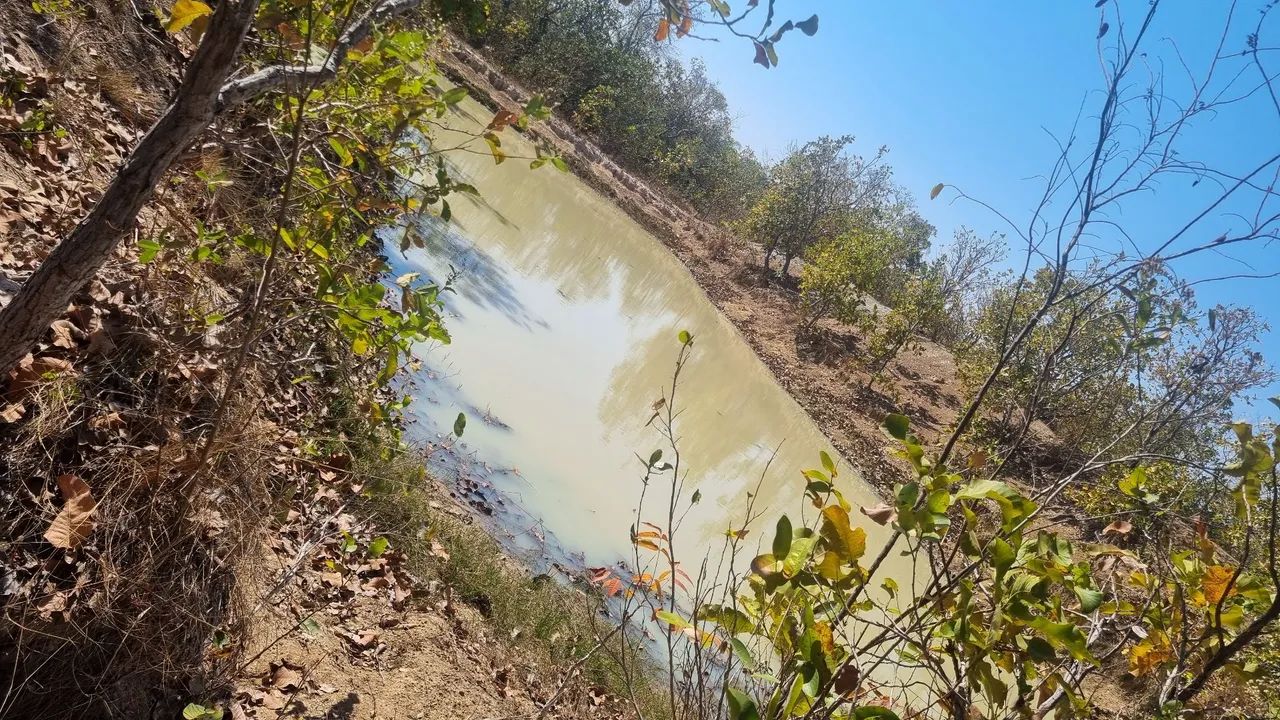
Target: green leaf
[
  {"x": 848, "y": 542},
  {"x": 743, "y": 654},
  {"x": 684, "y": 337},
  {"x": 340, "y": 149},
  {"x": 1037, "y": 648},
  {"x": 1090, "y": 599},
  {"x": 310, "y": 626},
  {"x": 675, "y": 621},
  {"x": 1063, "y": 636},
  {"x": 741, "y": 706},
  {"x": 765, "y": 565},
  {"x": 827, "y": 463},
  {"x": 495, "y": 148},
  {"x": 559, "y": 163},
  {"x": 654, "y": 457},
  {"x": 194, "y": 711},
  {"x": 697, "y": 496},
  {"x": 378, "y": 546},
  {"x": 782, "y": 537},
  {"x": 454, "y": 96},
  {"x": 459, "y": 424},
  {"x": 897, "y": 425},
  {"x": 148, "y": 250},
  {"x": 1002, "y": 554},
  {"x": 809, "y": 27},
  {"x": 798, "y": 555},
  {"x": 733, "y": 621}
]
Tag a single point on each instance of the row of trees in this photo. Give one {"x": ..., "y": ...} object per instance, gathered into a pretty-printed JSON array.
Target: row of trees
[{"x": 597, "y": 61}]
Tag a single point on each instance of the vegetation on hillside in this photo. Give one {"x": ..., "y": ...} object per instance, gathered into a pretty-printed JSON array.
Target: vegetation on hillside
[{"x": 597, "y": 61}]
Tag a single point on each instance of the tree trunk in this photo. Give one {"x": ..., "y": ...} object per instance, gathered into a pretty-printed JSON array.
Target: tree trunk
[
  {"x": 786, "y": 266},
  {"x": 768, "y": 255},
  {"x": 45, "y": 296}
]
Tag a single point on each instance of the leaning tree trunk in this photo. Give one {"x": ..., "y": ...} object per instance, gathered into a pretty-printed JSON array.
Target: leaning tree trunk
[{"x": 44, "y": 297}]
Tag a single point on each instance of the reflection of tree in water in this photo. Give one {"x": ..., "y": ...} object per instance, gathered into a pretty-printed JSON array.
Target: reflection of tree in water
[
  {"x": 730, "y": 421},
  {"x": 480, "y": 279},
  {"x": 547, "y": 223}
]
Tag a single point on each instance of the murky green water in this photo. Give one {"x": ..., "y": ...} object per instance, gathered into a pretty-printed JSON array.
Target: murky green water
[{"x": 564, "y": 333}]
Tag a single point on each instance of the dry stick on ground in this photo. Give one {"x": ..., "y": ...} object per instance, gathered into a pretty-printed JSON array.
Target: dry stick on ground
[{"x": 203, "y": 95}]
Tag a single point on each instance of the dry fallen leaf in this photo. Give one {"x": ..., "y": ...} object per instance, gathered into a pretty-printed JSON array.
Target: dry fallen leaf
[
  {"x": 286, "y": 677},
  {"x": 75, "y": 521},
  {"x": 108, "y": 421},
  {"x": 63, "y": 334},
  {"x": 12, "y": 412},
  {"x": 1119, "y": 527},
  {"x": 439, "y": 550}
]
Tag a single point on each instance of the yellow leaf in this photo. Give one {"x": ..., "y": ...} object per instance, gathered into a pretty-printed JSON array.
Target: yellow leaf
[
  {"x": 849, "y": 542},
  {"x": 360, "y": 345},
  {"x": 75, "y": 521},
  {"x": 184, "y": 13},
  {"x": 1149, "y": 654},
  {"x": 1217, "y": 578}
]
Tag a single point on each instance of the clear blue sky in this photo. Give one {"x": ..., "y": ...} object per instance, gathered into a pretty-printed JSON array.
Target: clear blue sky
[{"x": 967, "y": 94}]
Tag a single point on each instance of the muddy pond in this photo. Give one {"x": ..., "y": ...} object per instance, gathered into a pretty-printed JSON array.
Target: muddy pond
[{"x": 564, "y": 326}]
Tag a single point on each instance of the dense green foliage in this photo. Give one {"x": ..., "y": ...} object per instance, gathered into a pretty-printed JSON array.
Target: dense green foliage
[
  {"x": 1103, "y": 360},
  {"x": 820, "y": 191},
  {"x": 597, "y": 61}
]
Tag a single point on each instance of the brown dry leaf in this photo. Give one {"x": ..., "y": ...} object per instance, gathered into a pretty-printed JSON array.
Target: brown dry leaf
[
  {"x": 98, "y": 291},
  {"x": 502, "y": 119},
  {"x": 286, "y": 677},
  {"x": 63, "y": 334},
  {"x": 1119, "y": 527},
  {"x": 32, "y": 371},
  {"x": 664, "y": 27},
  {"x": 54, "y": 604},
  {"x": 75, "y": 521},
  {"x": 12, "y": 412},
  {"x": 978, "y": 459},
  {"x": 109, "y": 421},
  {"x": 363, "y": 640},
  {"x": 439, "y": 550},
  {"x": 881, "y": 513}
]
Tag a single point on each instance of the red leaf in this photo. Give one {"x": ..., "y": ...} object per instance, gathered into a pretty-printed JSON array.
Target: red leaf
[{"x": 664, "y": 27}]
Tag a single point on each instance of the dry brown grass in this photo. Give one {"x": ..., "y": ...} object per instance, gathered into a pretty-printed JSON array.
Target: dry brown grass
[{"x": 122, "y": 624}]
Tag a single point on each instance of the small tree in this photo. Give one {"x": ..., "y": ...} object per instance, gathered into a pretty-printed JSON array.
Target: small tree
[
  {"x": 838, "y": 273},
  {"x": 966, "y": 278},
  {"x": 919, "y": 307},
  {"x": 809, "y": 199}
]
